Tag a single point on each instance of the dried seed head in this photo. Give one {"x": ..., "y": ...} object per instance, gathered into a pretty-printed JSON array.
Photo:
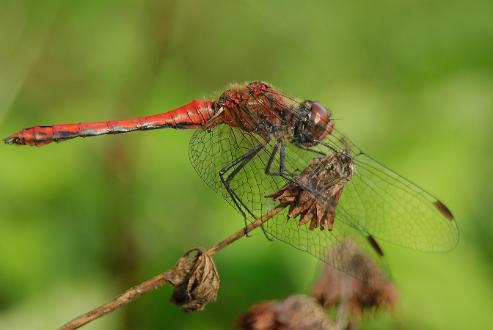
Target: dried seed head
[
  {"x": 296, "y": 312},
  {"x": 196, "y": 281},
  {"x": 336, "y": 288},
  {"x": 315, "y": 194}
]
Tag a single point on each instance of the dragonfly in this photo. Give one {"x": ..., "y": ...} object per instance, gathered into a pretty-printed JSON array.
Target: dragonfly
[{"x": 253, "y": 141}]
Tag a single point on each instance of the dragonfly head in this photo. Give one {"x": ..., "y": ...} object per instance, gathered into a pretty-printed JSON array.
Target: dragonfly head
[{"x": 313, "y": 123}]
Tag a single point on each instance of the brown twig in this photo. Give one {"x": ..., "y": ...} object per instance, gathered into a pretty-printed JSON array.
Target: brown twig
[
  {"x": 244, "y": 231},
  {"x": 161, "y": 279},
  {"x": 123, "y": 299}
]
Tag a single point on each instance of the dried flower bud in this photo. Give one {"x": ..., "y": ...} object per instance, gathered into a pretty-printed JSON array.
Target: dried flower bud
[
  {"x": 196, "y": 281},
  {"x": 370, "y": 288},
  {"x": 294, "y": 313},
  {"x": 315, "y": 193}
]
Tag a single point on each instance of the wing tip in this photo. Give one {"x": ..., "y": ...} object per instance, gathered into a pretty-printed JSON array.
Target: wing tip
[{"x": 444, "y": 210}]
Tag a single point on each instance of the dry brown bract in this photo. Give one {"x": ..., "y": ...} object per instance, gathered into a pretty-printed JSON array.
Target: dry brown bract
[
  {"x": 196, "y": 281},
  {"x": 351, "y": 296},
  {"x": 316, "y": 192},
  {"x": 336, "y": 288},
  {"x": 294, "y": 313}
]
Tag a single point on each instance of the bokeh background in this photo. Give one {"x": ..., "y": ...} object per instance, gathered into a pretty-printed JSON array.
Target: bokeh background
[{"x": 411, "y": 82}]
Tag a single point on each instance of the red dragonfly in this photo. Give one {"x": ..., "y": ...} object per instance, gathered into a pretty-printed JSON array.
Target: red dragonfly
[{"x": 254, "y": 140}]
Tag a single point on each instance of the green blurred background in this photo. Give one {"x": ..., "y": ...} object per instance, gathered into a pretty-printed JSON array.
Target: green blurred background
[{"x": 411, "y": 82}]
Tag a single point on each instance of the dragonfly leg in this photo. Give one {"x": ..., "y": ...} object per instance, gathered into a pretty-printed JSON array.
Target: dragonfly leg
[
  {"x": 231, "y": 176},
  {"x": 226, "y": 179},
  {"x": 238, "y": 164},
  {"x": 271, "y": 158},
  {"x": 282, "y": 160}
]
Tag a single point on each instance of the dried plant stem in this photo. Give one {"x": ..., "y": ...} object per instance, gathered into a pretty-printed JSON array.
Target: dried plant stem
[
  {"x": 161, "y": 279},
  {"x": 244, "y": 231},
  {"x": 123, "y": 299}
]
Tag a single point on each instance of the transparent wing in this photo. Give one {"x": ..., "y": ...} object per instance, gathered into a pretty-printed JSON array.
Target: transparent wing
[
  {"x": 377, "y": 201},
  {"x": 319, "y": 243},
  {"x": 391, "y": 208},
  {"x": 213, "y": 150}
]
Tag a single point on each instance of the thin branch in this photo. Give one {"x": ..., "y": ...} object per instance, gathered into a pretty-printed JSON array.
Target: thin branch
[
  {"x": 123, "y": 299},
  {"x": 161, "y": 279},
  {"x": 244, "y": 231}
]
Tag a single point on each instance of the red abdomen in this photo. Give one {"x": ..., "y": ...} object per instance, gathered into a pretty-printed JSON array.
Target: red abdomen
[{"x": 192, "y": 115}]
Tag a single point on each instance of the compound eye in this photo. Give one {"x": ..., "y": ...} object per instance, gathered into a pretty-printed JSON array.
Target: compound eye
[
  {"x": 321, "y": 123},
  {"x": 320, "y": 116}
]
